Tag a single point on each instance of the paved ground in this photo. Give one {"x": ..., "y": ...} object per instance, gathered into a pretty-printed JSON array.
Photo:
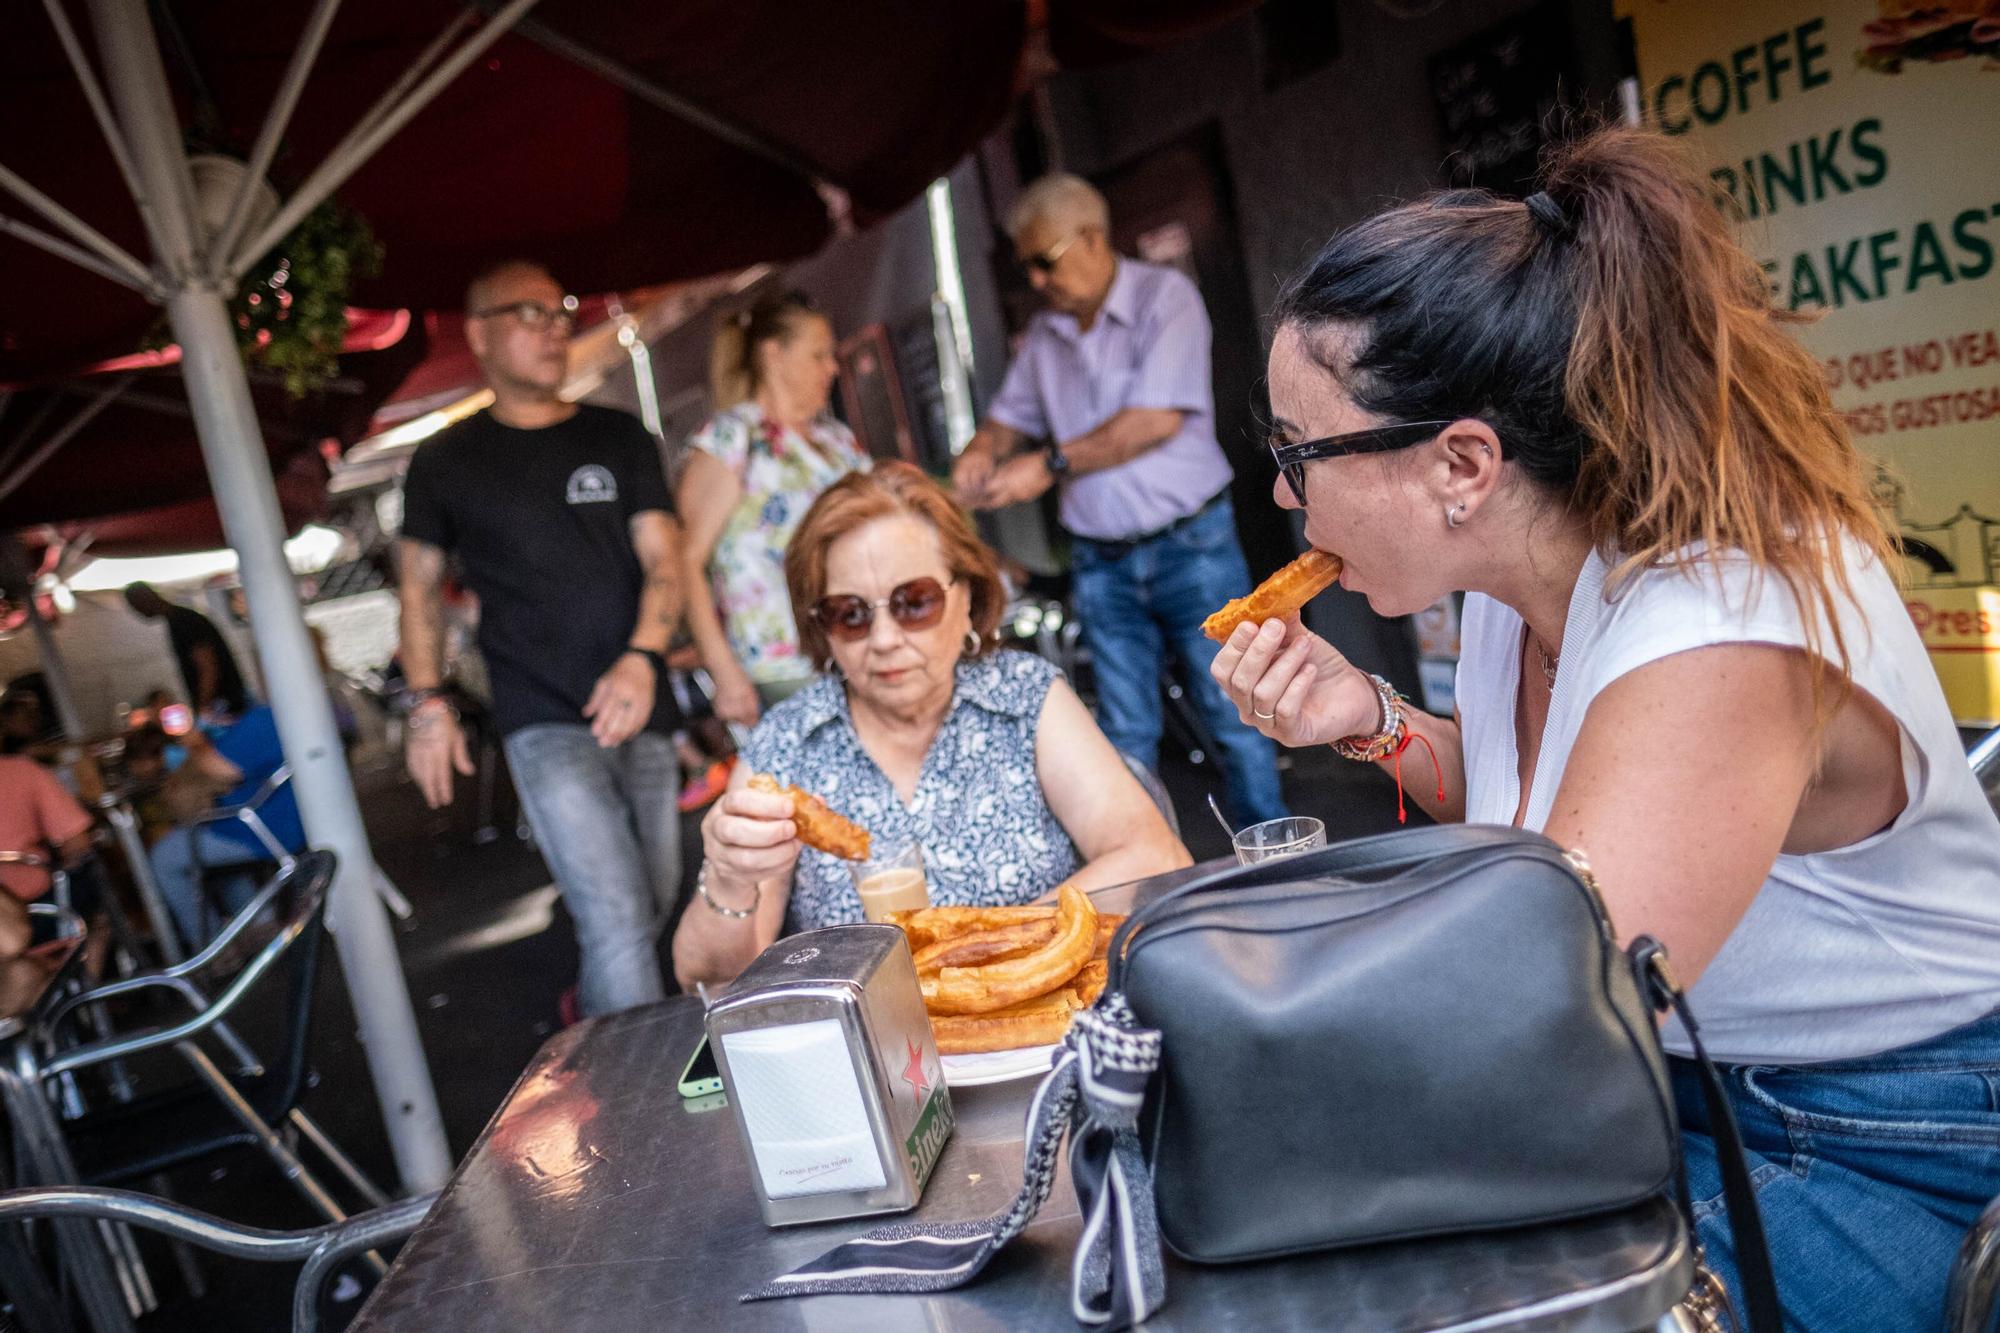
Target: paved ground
[{"x": 487, "y": 953}]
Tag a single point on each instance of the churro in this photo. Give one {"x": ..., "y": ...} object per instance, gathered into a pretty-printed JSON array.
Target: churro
[
  {"x": 820, "y": 827},
  {"x": 1284, "y": 594}
]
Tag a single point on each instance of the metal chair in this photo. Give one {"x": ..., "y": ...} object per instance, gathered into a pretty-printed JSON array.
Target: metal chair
[
  {"x": 246, "y": 812},
  {"x": 323, "y": 1248},
  {"x": 1155, "y": 789},
  {"x": 153, "y": 1133}
]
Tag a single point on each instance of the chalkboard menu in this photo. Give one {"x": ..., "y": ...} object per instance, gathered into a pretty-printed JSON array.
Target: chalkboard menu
[
  {"x": 1497, "y": 95},
  {"x": 892, "y": 390},
  {"x": 871, "y": 399},
  {"x": 915, "y": 339}
]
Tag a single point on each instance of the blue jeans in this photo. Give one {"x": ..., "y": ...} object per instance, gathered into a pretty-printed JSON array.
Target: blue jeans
[
  {"x": 1868, "y": 1174},
  {"x": 1140, "y": 602},
  {"x": 610, "y": 831},
  {"x": 179, "y": 859}
]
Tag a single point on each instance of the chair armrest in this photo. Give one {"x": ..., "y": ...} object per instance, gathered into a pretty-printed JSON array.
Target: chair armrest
[
  {"x": 147, "y": 1039},
  {"x": 269, "y": 788},
  {"x": 129, "y": 986}
]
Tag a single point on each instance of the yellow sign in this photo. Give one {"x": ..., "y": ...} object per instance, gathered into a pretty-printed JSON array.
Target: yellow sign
[
  {"x": 1861, "y": 141},
  {"x": 1961, "y": 630}
]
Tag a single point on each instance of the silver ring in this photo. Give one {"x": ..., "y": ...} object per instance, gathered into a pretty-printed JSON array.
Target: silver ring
[{"x": 1270, "y": 716}]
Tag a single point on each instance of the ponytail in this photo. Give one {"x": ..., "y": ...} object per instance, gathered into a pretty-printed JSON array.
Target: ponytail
[
  {"x": 1624, "y": 348},
  {"x": 732, "y": 352}
]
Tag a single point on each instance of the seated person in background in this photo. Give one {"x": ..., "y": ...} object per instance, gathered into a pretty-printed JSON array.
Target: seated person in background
[
  {"x": 26, "y": 725},
  {"x": 919, "y": 730},
  {"x": 39, "y": 818},
  {"x": 222, "y": 772}
]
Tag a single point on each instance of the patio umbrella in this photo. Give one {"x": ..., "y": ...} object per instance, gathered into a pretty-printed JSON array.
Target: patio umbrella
[{"x": 622, "y": 144}]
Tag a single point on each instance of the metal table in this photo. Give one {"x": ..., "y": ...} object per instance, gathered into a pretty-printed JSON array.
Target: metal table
[{"x": 597, "y": 1200}]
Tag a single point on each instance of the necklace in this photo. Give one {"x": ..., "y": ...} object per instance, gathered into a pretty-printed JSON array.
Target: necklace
[{"x": 1549, "y": 663}]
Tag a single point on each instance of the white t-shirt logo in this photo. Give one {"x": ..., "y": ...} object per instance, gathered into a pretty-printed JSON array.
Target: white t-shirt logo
[{"x": 591, "y": 484}]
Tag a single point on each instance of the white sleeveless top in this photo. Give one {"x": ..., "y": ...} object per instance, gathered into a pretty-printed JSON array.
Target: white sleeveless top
[{"x": 1842, "y": 954}]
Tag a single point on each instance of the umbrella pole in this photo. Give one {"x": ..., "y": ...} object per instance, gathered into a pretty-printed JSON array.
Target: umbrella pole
[{"x": 239, "y": 470}]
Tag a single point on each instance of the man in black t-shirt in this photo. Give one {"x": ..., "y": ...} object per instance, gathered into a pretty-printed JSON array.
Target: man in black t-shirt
[
  {"x": 559, "y": 517},
  {"x": 208, "y": 668}
]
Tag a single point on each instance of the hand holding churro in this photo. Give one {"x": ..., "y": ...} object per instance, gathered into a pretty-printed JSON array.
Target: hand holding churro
[
  {"x": 819, "y": 826},
  {"x": 1284, "y": 594}
]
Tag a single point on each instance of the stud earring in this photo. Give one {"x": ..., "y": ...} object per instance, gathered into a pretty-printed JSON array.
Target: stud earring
[{"x": 1455, "y": 517}]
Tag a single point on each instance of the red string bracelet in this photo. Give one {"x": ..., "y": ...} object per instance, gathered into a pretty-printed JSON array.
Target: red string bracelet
[{"x": 1402, "y": 815}]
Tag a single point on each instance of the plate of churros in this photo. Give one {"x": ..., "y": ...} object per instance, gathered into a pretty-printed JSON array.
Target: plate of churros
[{"x": 1001, "y": 983}]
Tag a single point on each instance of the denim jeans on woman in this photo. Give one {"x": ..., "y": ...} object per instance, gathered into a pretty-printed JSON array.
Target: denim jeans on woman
[
  {"x": 1140, "y": 601},
  {"x": 610, "y": 830},
  {"x": 1868, "y": 1174}
]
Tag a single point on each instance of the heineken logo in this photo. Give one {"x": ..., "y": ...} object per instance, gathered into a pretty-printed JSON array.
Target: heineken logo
[
  {"x": 928, "y": 1137},
  {"x": 913, "y": 1073}
]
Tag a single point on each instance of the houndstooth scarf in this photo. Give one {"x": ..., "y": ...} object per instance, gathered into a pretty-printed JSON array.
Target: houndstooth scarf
[{"x": 1094, "y": 1091}]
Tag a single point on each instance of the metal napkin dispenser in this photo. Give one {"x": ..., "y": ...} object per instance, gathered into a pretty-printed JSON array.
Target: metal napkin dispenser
[{"x": 833, "y": 1075}]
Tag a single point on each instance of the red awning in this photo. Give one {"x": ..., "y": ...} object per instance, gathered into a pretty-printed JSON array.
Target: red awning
[{"x": 558, "y": 143}]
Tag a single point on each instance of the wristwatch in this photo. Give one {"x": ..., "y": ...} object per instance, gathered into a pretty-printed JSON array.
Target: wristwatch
[
  {"x": 656, "y": 657},
  {"x": 1052, "y": 454}
]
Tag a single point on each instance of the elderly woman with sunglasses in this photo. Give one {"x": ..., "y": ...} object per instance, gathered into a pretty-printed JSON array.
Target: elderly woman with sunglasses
[{"x": 920, "y": 731}]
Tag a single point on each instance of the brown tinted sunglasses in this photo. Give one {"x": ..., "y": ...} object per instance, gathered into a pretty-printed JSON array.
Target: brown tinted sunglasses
[{"x": 918, "y": 604}]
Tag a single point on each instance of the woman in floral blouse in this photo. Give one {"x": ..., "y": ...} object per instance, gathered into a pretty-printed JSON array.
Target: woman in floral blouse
[
  {"x": 756, "y": 467},
  {"x": 920, "y": 732}
]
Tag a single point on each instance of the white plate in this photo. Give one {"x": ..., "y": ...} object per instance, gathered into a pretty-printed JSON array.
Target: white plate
[{"x": 971, "y": 1071}]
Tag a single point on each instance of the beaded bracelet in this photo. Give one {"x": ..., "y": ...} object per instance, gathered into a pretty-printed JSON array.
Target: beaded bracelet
[
  {"x": 1390, "y": 742},
  {"x": 1395, "y": 726}
]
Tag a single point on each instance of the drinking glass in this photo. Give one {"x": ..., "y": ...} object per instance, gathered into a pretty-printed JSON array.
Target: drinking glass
[
  {"x": 1278, "y": 837},
  {"x": 893, "y": 882}
]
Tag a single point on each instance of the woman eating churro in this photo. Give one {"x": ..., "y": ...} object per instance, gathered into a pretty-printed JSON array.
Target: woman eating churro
[
  {"x": 1685, "y": 654},
  {"x": 919, "y": 731}
]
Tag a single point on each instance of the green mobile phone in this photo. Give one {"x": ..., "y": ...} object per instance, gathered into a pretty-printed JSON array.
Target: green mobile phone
[{"x": 701, "y": 1077}]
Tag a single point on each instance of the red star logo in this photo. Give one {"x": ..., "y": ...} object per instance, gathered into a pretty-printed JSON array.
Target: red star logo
[{"x": 913, "y": 1073}]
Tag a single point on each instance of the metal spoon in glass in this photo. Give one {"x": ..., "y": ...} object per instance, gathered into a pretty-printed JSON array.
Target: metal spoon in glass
[{"x": 1227, "y": 831}]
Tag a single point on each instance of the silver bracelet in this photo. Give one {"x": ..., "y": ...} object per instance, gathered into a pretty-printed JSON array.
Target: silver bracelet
[{"x": 733, "y": 913}]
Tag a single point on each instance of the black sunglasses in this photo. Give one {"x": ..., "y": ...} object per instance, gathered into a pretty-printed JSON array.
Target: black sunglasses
[
  {"x": 1292, "y": 458},
  {"x": 1045, "y": 262},
  {"x": 918, "y": 604},
  {"x": 534, "y": 315}
]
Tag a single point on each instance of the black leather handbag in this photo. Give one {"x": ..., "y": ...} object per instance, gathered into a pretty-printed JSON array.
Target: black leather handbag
[
  {"x": 1425, "y": 1032},
  {"x": 1416, "y": 1034}
]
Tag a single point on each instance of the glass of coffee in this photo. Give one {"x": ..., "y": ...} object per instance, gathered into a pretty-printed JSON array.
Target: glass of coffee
[
  {"x": 891, "y": 883},
  {"x": 1279, "y": 837}
]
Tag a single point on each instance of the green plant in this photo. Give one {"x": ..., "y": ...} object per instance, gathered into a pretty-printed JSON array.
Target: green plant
[{"x": 291, "y": 313}]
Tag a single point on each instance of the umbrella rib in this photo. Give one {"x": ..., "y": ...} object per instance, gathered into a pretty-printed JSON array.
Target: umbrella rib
[
  {"x": 417, "y": 69},
  {"x": 93, "y": 93},
  {"x": 722, "y": 127},
  {"x": 82, "y": 231},
  {"x": 365, "y": 138},
  {"x": 276, "y": 120},
  {"x": 82, "y": 258},
  {"x": 46, "y": 450}
]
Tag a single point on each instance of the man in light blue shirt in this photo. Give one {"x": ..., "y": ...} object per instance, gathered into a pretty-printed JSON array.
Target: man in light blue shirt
[{"x": 1114, "y": 375}]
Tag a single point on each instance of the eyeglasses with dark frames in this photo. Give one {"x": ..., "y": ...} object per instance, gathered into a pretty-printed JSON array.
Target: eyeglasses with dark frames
[
  {"x": 918, "y": 604},
  {"x": 1292, "y": 458},
  {"x": 534, "y": 315}
]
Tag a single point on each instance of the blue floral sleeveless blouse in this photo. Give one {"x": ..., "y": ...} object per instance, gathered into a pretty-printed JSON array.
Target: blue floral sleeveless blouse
[{"x": 988, "y": 835}]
